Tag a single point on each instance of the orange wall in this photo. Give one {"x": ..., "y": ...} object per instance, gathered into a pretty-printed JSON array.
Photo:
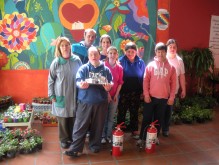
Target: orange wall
[
  {"x": 190, "y": 21},
  {"x": 23, "y": 85}
]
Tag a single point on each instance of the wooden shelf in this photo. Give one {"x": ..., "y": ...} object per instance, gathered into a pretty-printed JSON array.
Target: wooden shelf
[{"x": 21, "y": 124}]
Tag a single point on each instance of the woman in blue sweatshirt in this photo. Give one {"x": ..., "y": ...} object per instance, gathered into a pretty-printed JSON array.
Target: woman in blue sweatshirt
[{"x": 132, "y": 89}]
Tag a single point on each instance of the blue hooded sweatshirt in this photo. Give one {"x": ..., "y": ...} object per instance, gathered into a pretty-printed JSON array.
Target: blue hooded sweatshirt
[{"x": 95, "y": 93}]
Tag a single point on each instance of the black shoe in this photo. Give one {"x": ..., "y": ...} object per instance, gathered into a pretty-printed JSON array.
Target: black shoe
[
  {"x": 165, "y": 134},
  {"x": 65, "y": 145},
  {"x": 94, "y": 150},
  {"x": 71, "y": 153}
]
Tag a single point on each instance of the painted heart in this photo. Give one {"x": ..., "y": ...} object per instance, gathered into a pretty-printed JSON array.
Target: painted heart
[
  {"x": 78, "y": 15},
  {"x": 73, "y": 14}
]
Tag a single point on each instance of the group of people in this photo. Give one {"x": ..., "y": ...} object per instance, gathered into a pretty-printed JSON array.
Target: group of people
[{"x": 87, "y": 91}]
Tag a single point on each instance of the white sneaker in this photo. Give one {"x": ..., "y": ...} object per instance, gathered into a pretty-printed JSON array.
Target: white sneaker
[
  {"x": 109, "y": 140},
  {"x": 157, "y": 141},
  {"x": 103, "y": 141},
  {"x": 88, "y": 134},
  {"x": 140, "y": 143}
]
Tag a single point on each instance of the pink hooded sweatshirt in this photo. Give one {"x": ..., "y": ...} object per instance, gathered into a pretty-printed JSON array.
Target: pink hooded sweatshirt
[{"x": 159, "y": 80}]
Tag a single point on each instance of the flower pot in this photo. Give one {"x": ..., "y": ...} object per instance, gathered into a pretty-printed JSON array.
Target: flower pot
[
  {"x": 1, "y": 158},
  {"x": 15, "y": 120},
  {"x": 40, "y": 146},
  {"x": 10, "y": 120},
  {"x": 200, "y": 120},
  {"x": 11, "y": 154},
  {"x": 25, "y": 119},
  {"x": 20, "y": 120},
  {"x": 25, "y": 151},
  {"x": 5, "y": 119}
]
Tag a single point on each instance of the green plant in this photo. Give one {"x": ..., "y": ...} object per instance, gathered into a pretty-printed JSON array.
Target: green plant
[
  {"x": 38, "y": 139},
  {"x": 11, "y": 148},
  {"x": 203, "y": 63},
  {"x": 3, "y": 149},
  {"x": 199, "y": 62},
  {"x": 25, "y": 145},
  {"x": 14, "y": 142},
  {"x": 187, "y": 115},
  {"x": 176, "y": 119},
  {"x": 187, "y": 60}
]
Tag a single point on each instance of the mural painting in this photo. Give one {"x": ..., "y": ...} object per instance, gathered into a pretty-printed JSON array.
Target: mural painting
[{"x": 27, "y": 27}]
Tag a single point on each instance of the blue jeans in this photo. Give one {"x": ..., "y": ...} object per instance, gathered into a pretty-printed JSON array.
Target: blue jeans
[{"x": 109, "y": 120}]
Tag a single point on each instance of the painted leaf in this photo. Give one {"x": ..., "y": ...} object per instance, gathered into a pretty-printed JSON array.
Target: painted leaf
[
  {"x": 37, "y": 47},
  {"x": 48, "y": 32},
  {"x": 101, "y": 31},
  {"x": 116, "y": 43},
  {"x": 123, "y": 1},
  {"x": 117, "y": 23},
  {"x": 110, "y": 7},
  {"x": 124, "y": 8}
]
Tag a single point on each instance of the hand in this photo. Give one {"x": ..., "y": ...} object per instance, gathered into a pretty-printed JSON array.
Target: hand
[
  {"x": 84, "y": 85},
  {"x": 109, "y": 98},
  {"x": 170, "y": 102},
  {"x": 147, "y": 99},
  {"x": 183, "y": 94},
  {"x": 115, "y": 98},
  {"x": 107, "y": 86}
]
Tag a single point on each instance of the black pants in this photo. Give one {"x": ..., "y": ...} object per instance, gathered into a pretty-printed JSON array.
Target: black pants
[
  {"x": 65, "y": 128},
  {"x": 154, "y": 110},
  {"x": 131, "y": 102}
]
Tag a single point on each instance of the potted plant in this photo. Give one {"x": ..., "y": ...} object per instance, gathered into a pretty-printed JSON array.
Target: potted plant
[
  {"x": 203, "y": 63},
  {"x": 33, "y": 143},
  {"x": 176, "y": 119},
  {"x": 187, "y": 115},
  {"x": 39, "y": 141},
  {"x": 11, "y": 150},
  {"x": 3, "y": 152},
  {"x": 199, "y": 63},
  {"x": 17, "y": 133},
  {"x": 25, "y": 147}
]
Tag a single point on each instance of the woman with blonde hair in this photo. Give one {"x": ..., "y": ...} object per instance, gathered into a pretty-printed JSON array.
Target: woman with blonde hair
[{"x": 62, "y": 88}]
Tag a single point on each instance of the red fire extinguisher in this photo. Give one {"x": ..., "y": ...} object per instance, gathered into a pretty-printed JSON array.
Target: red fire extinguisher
[
  {"x": 151, "y": 138},
  {"x": 117, "y": 144}
]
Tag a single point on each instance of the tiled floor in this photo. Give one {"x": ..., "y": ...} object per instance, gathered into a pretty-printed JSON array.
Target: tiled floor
[{"x": 187, "y": 145}]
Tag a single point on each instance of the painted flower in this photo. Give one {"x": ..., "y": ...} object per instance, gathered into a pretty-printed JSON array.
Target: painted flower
[
  {"x": 38, "y": 7},
  {"x": 123, "y": 43},
  {"x": 142, "y": 36},
  {"x": 119, "y": 5},
  {"x": 124, "y": 30},
  {"x": 17, "y": 32},
  {"x": 107, "y": 28}
]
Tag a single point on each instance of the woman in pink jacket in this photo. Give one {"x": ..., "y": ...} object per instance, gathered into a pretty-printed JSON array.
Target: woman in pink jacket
[{"x": 159, "y": 85}]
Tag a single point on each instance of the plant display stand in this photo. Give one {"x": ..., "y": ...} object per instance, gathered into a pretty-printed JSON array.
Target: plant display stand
[
  {"x": 19, "y": 124},
  {"x": 43, "y": 112},
  {"x": 37, "y": 107}
]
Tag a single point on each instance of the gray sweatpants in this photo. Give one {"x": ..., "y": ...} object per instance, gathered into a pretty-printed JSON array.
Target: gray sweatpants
[{"x": 92, "y": 117}]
